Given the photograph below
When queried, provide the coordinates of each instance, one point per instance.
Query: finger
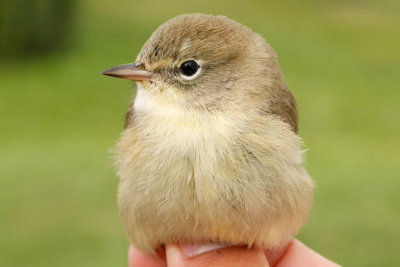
(137, 258)
(214, 255)
(298, 254)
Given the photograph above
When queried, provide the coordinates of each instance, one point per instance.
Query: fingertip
(298, 254)
(131, 256)
(225, 256)
(192, 250)
(274, 255)
(136, 258)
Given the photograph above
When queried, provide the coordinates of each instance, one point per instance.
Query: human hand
(294, 253)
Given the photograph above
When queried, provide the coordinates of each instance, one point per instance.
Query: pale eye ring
(189, 69)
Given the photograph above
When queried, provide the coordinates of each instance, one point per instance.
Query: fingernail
(192, 250)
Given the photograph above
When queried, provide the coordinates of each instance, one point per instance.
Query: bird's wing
(128, 116)
(284, 105)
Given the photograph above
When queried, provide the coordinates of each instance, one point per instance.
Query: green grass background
(59, 116)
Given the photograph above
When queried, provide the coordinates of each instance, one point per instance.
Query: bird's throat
(167, 124)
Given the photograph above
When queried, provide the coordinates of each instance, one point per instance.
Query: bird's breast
(171, 147)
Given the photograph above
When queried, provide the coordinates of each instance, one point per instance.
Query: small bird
(210, 151)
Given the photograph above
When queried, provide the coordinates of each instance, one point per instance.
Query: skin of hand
(210, 152)
(293, 254)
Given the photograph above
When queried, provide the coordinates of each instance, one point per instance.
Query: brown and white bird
(210, 151)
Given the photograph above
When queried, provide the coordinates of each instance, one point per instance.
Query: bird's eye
(189, 68)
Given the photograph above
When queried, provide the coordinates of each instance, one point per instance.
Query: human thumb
(214, 255)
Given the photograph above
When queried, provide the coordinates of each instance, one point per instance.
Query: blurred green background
(59, 117)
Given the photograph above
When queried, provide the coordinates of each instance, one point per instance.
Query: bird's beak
(131, 71)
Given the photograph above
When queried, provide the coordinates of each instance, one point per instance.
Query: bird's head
(206, 62)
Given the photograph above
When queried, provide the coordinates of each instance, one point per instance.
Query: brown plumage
(128, 116)
(210, 151)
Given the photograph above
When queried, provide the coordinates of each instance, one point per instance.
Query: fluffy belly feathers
(209, 179)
